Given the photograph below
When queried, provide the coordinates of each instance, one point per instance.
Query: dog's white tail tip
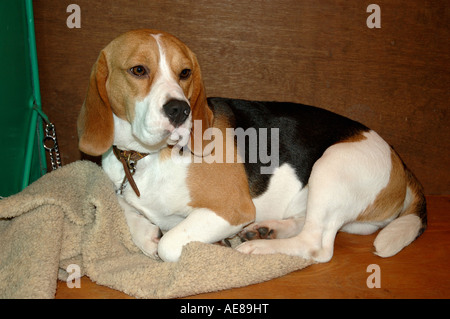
(398, 234)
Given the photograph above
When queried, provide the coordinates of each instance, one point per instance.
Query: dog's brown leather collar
(129, 160)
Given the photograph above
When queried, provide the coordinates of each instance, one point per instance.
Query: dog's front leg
(202, 225)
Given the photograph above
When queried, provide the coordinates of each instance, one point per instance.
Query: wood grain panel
(394, 79)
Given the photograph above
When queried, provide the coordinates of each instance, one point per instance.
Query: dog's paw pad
(266, 233)
(257, 233)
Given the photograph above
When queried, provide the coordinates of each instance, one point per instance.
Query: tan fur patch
(355, 138)
(417, 192)
(389, 201)
(222, 187)
(418, 205)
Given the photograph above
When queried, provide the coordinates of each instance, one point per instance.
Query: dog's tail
(410, 223)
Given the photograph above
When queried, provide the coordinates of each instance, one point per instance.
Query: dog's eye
(138, 70)
(185, 74)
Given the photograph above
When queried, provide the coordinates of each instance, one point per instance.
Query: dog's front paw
(149, 246)
(146, 237)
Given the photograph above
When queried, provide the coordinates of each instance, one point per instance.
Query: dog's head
(151, 80)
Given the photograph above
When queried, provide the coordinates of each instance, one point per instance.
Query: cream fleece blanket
(71, 216)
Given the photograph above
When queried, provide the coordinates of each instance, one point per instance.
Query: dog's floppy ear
(95, 121)
(202, 115)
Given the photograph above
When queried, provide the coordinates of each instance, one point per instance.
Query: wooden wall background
(395, 79)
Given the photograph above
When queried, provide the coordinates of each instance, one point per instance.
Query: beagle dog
(187, 168)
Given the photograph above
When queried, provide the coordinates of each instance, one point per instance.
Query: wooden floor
(421, 270)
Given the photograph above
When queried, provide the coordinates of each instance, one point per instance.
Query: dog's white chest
(162, 183)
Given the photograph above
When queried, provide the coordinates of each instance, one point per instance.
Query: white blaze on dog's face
(152, 84)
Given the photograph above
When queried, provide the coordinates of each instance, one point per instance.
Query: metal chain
(51, 145)
(50, 142)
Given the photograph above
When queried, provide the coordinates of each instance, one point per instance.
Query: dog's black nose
(177, 111)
